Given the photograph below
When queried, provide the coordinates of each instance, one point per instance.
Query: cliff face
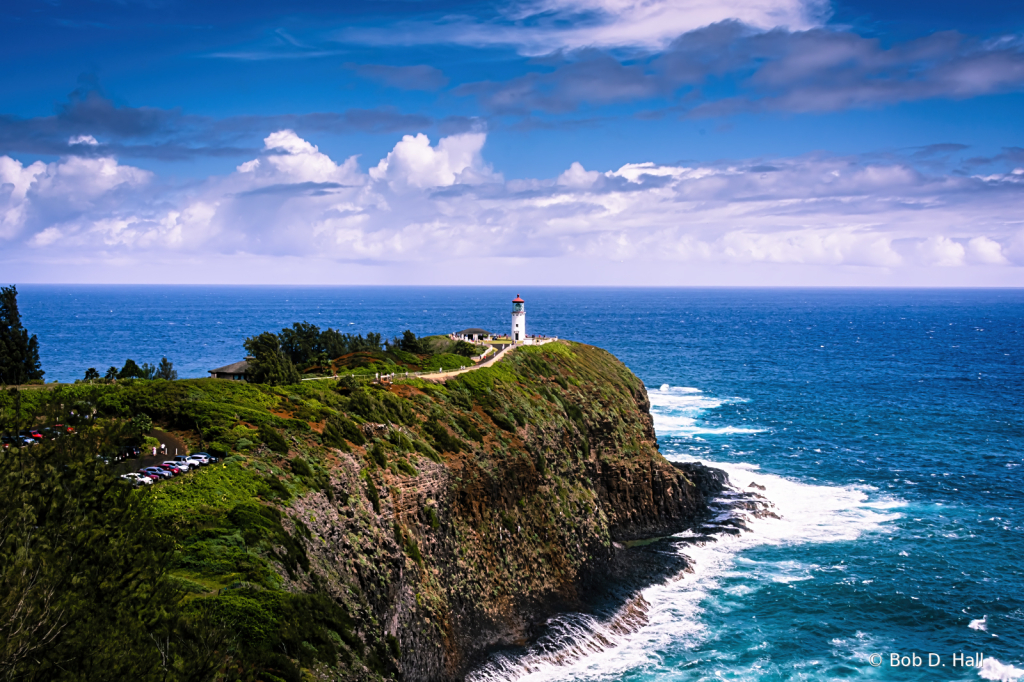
(363, 532)
(559, 466)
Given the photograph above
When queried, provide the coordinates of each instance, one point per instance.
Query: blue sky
(653, 142)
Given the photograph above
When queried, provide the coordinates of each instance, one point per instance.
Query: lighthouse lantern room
(518, 319)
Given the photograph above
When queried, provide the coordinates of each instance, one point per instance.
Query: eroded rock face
(558, 470)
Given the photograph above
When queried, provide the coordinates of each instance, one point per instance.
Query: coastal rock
(530, 523)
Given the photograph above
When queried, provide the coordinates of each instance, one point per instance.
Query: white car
(137, 479)
(197, 459)
(181, 465)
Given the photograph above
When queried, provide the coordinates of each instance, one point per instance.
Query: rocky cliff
(406, 530)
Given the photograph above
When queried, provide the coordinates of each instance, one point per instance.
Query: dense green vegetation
(84, 561)
(304, 348)
(288, 559)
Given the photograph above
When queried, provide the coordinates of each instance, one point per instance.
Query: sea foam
(991, 669)
(676, 411)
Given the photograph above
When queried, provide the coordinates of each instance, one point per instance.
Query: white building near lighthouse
(518, 320)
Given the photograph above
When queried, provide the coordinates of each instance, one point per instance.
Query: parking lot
(128, 460)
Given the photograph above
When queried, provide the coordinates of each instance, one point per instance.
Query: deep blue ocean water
(886, 425)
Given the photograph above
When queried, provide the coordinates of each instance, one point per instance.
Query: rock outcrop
(558, 471)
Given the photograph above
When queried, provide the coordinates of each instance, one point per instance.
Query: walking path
(447, 374)
(454, 372)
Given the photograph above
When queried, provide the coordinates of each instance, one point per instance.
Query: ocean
(887, 426)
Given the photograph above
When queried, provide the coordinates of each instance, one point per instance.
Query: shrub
(396, 650)
(503, 422)
(301, 467)
(444, 440)
(273, 440)
(277, 488)
(371, 491)
(432, 517)
(401, 441)
(218, 449)
(469, 428)
(426, 451)
(339, 429)
(378, 454)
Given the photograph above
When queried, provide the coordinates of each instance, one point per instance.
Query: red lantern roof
(518, 300)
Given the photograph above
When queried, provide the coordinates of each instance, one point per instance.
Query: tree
(131, 371)
(301, 343)
(91, 374)
(19, 352)
(141, 426)
(166, 370)
(268, 364)
(410, 343)
(324, 363)
(111, 374)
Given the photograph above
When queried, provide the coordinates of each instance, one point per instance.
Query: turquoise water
(886, 427)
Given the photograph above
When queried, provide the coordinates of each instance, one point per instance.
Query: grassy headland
(358, 531)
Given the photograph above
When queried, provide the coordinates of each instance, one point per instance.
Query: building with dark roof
(472, 334)
(236, 371)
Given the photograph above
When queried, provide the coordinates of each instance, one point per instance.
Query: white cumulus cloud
(88, 140)
(293, 159)
(578, 177)
(455, 159)
(985, 251)
(942, 251)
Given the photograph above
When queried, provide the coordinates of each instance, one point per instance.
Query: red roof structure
(518, 300)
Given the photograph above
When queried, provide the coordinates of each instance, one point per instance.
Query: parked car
(163, 473)
(18, 441)
(187, 461)
(171, 468)
(31, 433)
(198, 459)
(207, 455)
(181, 466)
(137, 479)
(145, 474)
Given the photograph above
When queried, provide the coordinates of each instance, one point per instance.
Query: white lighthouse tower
(518, 319)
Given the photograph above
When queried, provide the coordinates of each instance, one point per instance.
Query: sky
(558, 142)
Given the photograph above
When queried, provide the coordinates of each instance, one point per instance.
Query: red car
(173, 469)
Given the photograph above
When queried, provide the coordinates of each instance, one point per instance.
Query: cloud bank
(438, 202)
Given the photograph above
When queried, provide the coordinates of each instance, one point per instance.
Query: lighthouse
(518, 319)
